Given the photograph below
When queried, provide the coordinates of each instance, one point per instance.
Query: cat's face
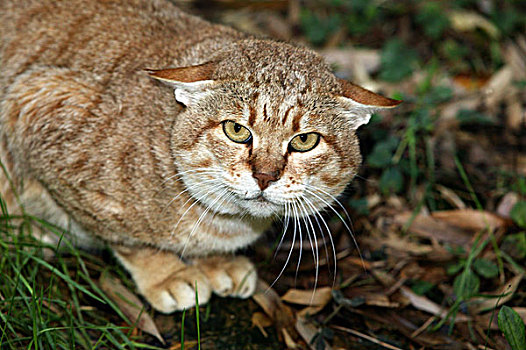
(265, 148)
(248, 152)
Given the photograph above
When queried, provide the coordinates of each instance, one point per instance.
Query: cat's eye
(236, 132)
(304, 142)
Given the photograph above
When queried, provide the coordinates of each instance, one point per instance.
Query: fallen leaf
(424, 304)
(129, 304)
(450, 196)
(306, 297)
(270, 302)
(498, 86)
(470, 219)
(308, 332)
(507, 203)
(430, 227)
(464, 21)
(261, 321)
(378, 299)
(291, 344)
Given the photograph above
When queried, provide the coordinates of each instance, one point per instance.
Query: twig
(367, 337)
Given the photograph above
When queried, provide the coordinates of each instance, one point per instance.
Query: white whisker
(188, 188)
(340, 217)
(287, 216)
(297, 217)
(290, 253)
(196, 201)
(314, 247)
(201, 217)
(308, 202)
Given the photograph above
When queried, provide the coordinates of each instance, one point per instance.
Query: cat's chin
(261, 208)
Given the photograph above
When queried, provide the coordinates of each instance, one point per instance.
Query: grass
(50, 305)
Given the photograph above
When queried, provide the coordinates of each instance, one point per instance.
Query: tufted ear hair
(190, 83)
(360, 103)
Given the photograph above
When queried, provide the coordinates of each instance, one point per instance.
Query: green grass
(54, 304)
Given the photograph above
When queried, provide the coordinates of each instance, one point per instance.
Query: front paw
(229, 276)
(178, 291)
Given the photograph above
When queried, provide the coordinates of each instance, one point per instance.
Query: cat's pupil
(237, 127)
(303, 137)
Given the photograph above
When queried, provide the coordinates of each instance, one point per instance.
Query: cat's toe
(244, 275)
(235, 277)
(178, 292)
(221, 282)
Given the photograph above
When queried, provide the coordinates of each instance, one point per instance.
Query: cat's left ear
(360, 103)
(190, 83)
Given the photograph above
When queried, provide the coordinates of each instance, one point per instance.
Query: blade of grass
(197, 318)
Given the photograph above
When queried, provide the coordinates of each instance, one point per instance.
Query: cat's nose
(264, 179)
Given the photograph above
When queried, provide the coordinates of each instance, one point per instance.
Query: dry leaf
(306, 297)
(291, 344)
(507, 203)
(272, 305)
(464, 21)
(429, 227)
(470, 219)
(424, 304)
(377, 299)
(402, 244)
(497, 87)
(261, 321)
(308, 332)
(129, 304)
(450, 196)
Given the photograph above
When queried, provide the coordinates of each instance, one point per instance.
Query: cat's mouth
(258, 198)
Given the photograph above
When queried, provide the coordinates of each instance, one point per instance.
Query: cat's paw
(229, 276)
(177, 292)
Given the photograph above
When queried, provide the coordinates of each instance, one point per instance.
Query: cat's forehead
(275, 66)
(273, 110)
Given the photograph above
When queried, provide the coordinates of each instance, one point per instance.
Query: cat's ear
(190, 83)
(361, 103)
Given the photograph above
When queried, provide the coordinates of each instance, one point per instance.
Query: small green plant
(398, 61)
(518, 213)
(511, 324)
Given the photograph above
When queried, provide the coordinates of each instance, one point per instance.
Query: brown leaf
(378, 299)
(261, 321)
(450, 196)
(470, 219)
(424, 304)
(129, 304)
(270, 302)
(306, 297)
(308, 332)
(507, 203)
(430, 227)
(464, 21)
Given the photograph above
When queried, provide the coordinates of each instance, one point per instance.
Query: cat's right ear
(190, 83)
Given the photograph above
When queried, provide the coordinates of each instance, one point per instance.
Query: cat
(173, 140)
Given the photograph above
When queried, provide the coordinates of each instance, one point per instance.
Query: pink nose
(264, 179)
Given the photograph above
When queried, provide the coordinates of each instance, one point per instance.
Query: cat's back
(100, 35)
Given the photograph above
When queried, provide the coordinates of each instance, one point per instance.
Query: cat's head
(267, 129)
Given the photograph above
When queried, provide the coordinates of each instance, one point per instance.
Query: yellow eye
(236, 132)
(304, 142)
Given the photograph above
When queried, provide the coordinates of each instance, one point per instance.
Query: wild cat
(94, 142)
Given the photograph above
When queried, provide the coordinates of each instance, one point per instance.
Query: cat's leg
(168, 283)
(233, 276)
